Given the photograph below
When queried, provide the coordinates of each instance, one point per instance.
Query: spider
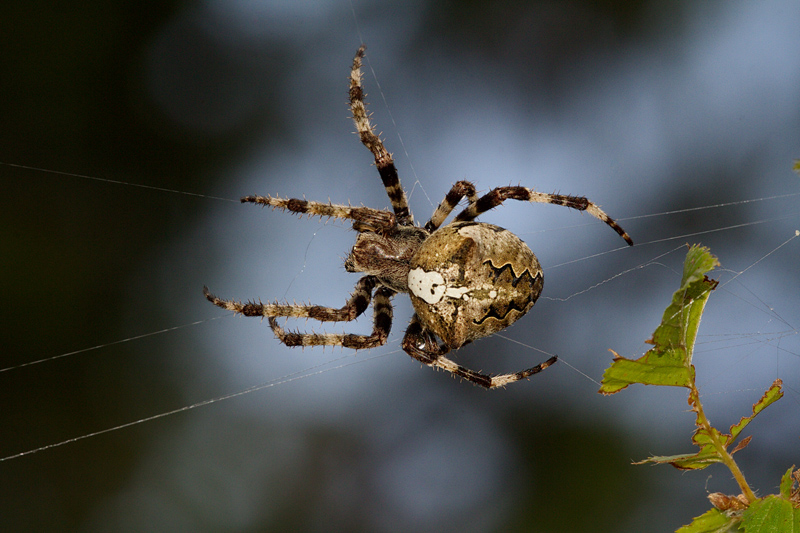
(466, 279)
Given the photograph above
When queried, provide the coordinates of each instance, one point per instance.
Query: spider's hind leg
(354, 307)
(382, 325)
(383, 159)
(422, 346)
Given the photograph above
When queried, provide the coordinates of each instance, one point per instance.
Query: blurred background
(151, 120)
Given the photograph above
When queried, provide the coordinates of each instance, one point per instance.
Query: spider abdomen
(471, 279)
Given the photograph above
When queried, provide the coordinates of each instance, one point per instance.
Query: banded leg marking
(457, 192)
(383, 159)
(363, 217)
(353, 308)
(422, 346)
(497, 196)
(382, 325)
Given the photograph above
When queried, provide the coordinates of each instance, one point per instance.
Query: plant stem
(714, 435)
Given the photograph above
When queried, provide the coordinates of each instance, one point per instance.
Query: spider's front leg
(383, 159)
(364, 218)
(422, 345)
(457, 192)
(497, 196)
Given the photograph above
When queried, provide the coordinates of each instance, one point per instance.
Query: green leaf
(772, 514)
(712, 521)
(624, 372)
(787, 482)
(773, 394)
(669, 362)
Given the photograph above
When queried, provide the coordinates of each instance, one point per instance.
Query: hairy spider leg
(457, 192)
(383, 159)
(422, 345)
(365, 218)
(497, 196)
(382, 325)
(353, 308)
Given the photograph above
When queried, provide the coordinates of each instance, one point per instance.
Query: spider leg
(459, 191)
(362, 217)
(497, 196)
(423, 346)
(354, 307)
(383, 159)
(382, 325)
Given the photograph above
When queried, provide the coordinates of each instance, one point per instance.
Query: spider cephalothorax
(466, 279)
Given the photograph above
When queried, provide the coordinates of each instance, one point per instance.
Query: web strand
(288, 378)
(117, 182)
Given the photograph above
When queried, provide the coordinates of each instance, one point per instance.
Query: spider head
(386, 255)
